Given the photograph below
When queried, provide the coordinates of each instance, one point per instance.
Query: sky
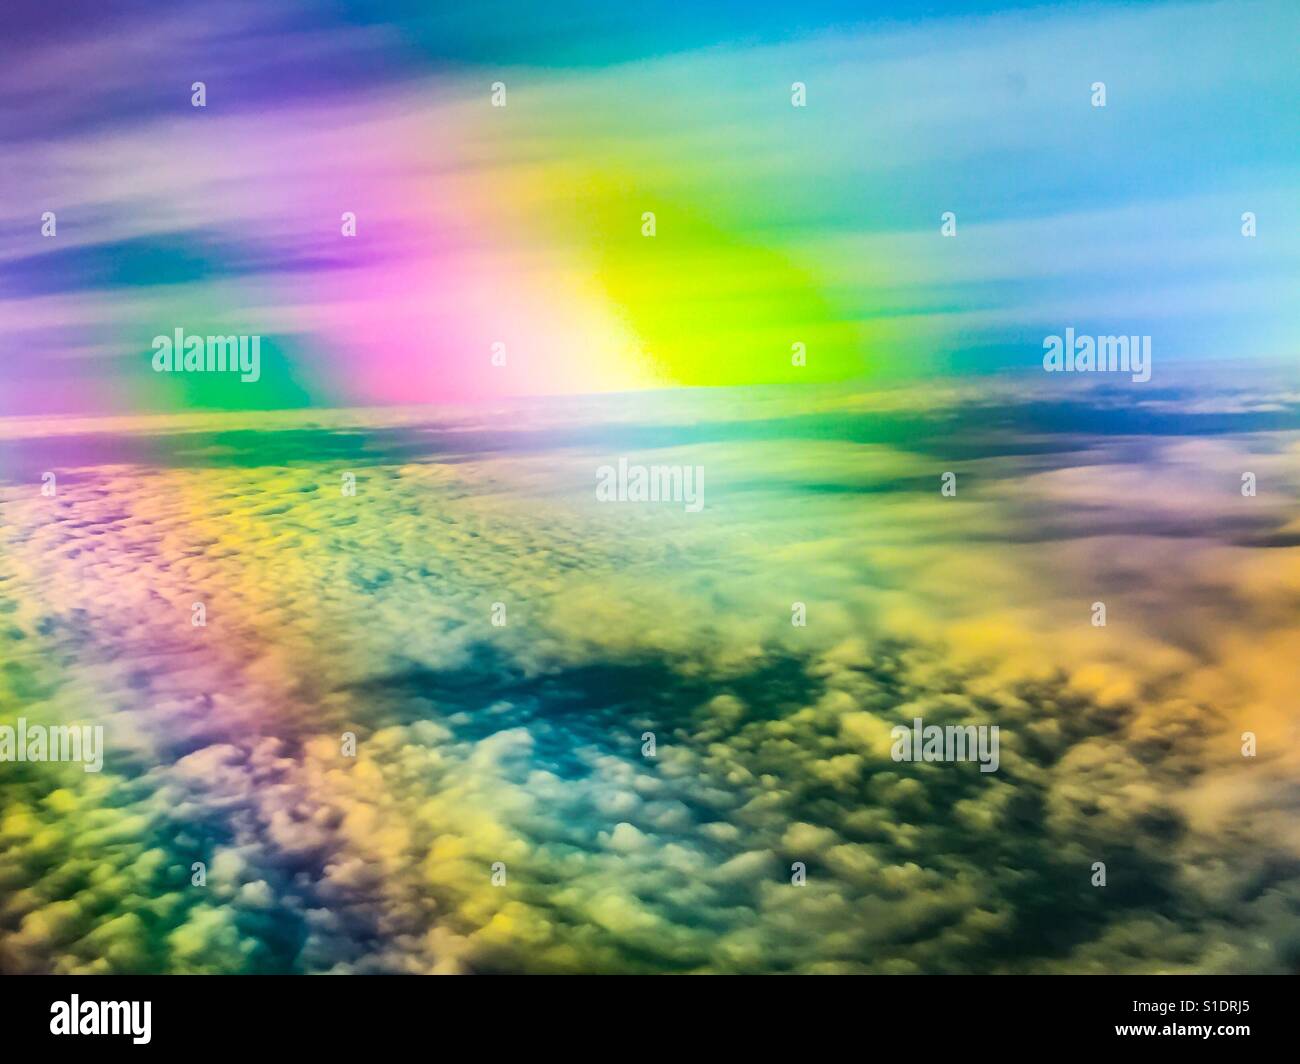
(375, 661)
(522, 225)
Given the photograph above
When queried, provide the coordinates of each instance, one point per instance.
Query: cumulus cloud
(518, 750)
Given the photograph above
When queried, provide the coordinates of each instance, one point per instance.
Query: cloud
(329, 614)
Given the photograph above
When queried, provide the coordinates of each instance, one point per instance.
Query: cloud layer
(522, 744)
